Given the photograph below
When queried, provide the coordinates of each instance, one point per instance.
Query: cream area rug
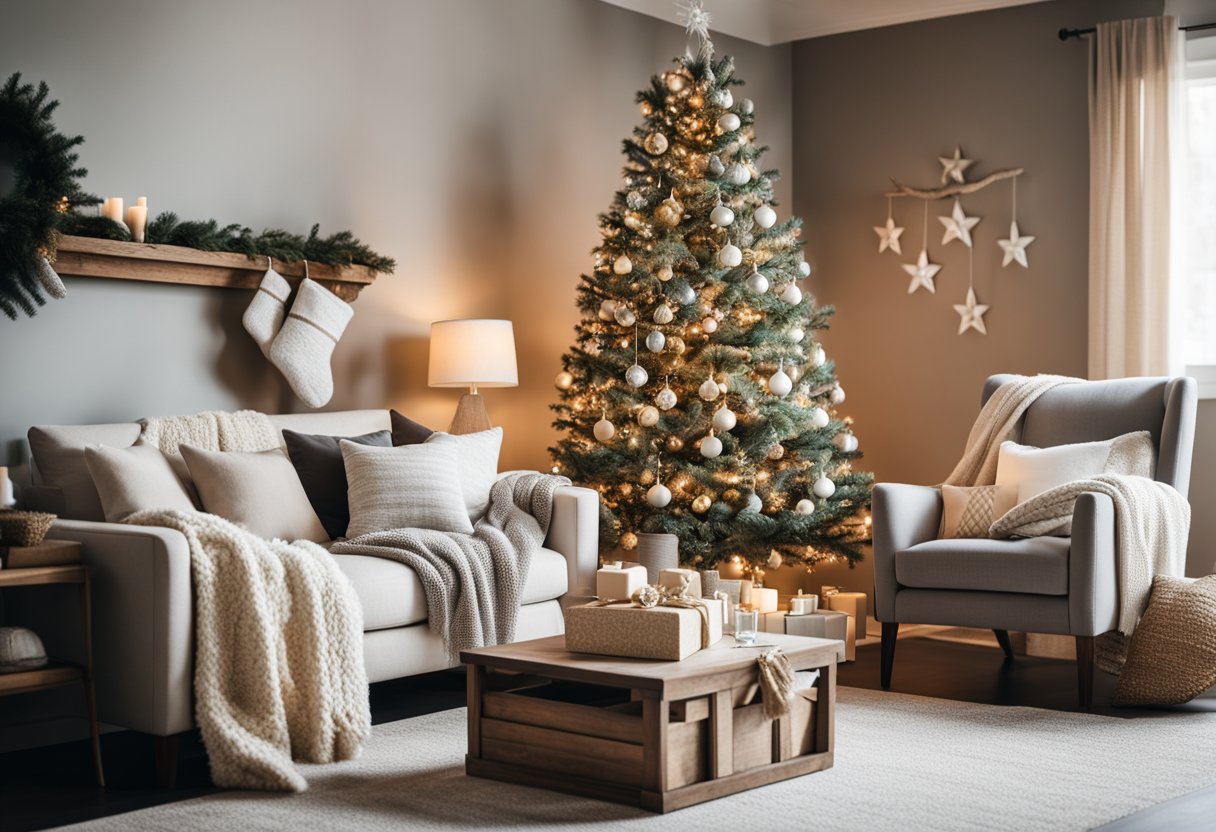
(902, 762)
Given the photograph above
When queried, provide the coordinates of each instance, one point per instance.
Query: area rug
(902, 762)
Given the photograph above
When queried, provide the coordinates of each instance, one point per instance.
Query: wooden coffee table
(655, 734)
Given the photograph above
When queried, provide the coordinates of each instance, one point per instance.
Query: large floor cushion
(392, 595)
(1035, 565)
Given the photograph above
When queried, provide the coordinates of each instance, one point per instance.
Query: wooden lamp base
(471, 415)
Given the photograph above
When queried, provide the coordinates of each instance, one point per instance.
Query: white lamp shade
(477, 351)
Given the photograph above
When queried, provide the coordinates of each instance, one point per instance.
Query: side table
(56, 674)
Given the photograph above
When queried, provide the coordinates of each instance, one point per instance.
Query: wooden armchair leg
(889, 633)
(165, 752)
(1002, 638)
(1085, 672)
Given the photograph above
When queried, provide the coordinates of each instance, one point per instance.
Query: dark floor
(53, 786)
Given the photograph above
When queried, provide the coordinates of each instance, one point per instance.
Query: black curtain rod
(1065, 34)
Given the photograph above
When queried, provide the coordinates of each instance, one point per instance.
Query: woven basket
(24, 528)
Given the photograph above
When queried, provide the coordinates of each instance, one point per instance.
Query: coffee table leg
(721, 734)
(825, 717)
(477, 676)
(654, 737)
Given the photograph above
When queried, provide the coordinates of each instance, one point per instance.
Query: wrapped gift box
(619, 580)
(678, 578)
(821, 624)
(670, 633)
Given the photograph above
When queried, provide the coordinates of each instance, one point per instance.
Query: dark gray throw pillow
(406, 431)
(318, 462)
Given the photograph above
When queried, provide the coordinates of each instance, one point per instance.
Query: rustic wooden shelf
(92, 257)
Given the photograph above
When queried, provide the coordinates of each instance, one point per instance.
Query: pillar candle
(137, 221)
(745, 591)
(764, 599)
(115, 203)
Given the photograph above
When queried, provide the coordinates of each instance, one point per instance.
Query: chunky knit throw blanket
(1151, 524)
(474, 583)
(213, 430)
(278, 668)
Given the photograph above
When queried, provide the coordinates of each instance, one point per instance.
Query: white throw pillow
(138, 478)
(478, 466)
(407, 487)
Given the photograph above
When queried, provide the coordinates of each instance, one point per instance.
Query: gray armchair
(1056, 585)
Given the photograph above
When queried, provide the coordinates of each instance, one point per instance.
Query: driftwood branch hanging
(956, 189)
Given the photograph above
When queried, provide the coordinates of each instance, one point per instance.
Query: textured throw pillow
(478, 465)
(1172, 655)
(406, 431)
(967, 512)
(259, 491)
(1024, 472)
(410, 487)
(137, 478)
(318, 461)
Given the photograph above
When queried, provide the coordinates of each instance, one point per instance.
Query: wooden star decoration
(971, 314)
(953, 167)
(1015, 247)
(958, 225)
(922, 272)
(888, 236)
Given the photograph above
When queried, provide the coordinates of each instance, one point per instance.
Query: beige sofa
(142, 608)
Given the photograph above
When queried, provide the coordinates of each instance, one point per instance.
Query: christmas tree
(696, 399)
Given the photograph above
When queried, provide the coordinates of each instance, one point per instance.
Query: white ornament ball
(648, 416)
(747, 106)
(655, 144)
(775, 560)
(636, 375)
(824, 488)
(820, 357)
(708, 390)
(805, 507)
(624, 315)
(686, 295)
(776, 452)
(711, 447)
(607, 310)
(754, 503)
(655, 341)
(730, 255)
(765, 216)
(563, 380)
(796, 335)
(659, 495)
(723, 99)
(757, 283)
(663, 314)
(729, 122)
(819, 418)
(622, 264)
(664, 273)
(715, 167)
(724, 419)
(710, 325)
(722, 388)
(604, 430)
(780, 384)
(721, 216)
(739, 174)
(837, 395)
(792, 295)
(846, 442)
(665, 398)
(804, 269)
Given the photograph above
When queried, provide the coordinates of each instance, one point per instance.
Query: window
(1194, 248)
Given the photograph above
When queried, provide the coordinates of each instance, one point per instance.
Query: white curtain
(1135, 75)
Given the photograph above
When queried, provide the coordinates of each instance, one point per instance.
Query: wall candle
(115, 209)
(142, 201)
(137, 220)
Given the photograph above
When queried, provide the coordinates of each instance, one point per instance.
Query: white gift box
(676, 578)
(619, 580)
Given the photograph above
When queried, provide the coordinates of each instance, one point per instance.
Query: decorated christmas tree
(696, 398)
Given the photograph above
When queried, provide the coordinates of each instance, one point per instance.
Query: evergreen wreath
(45, 188)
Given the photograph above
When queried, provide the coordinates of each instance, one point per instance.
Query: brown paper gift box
(670, 633)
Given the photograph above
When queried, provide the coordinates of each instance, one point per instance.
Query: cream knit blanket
(1151, 524)
(474, 583)
(278, 667)
(213, 430)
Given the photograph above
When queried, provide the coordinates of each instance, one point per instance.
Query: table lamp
(474, 352)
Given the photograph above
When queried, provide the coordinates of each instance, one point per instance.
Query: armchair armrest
(143, 623)
(1093, 596)
(574, 532)
(901, 516)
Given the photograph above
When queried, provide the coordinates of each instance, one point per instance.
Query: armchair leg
(1085, 672)
(889, 632)
(165, 752)
(1002, 638)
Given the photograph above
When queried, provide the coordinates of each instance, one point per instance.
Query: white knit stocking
(306, 342)
(264, 317)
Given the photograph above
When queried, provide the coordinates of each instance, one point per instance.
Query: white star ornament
(1015, 247)
(888, 236)
(971, 314)
(958, 225)
(953, 167)
(922, 272)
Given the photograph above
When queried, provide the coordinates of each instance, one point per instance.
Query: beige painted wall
(474, 141)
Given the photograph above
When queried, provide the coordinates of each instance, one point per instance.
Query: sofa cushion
(477, 454)
(406, 431)
(410, 487)
(318, 460)
(58, 452)
(392, 596)
(134, 479)
(1035, 565)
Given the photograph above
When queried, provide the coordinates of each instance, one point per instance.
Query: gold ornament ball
(646, 108)
(676, 82)
(655, 144)
(669, 213)
(696, 101)
(731, 495)
(776, 452)
(647, 477)
(629, 540)
(675, 444)
(563, 380)
(626, 489)
(634, 221)
(676, 343)
(701, 504)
